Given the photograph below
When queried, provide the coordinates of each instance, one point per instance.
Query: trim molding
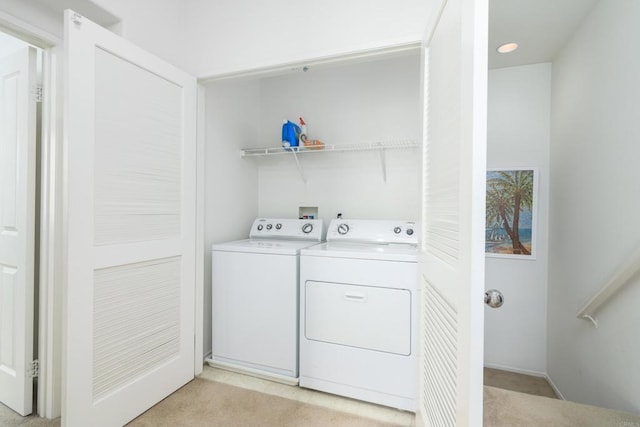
(516, 370)
(288, 67)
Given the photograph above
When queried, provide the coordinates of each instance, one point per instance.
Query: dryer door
(367, 317)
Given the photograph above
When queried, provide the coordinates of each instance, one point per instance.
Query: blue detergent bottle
(290, 134)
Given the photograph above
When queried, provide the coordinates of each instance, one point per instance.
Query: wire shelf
(369, 146)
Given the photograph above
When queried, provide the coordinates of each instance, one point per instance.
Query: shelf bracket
(300, 170)
(383, 159)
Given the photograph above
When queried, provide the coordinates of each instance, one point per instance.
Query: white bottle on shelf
(303, 132)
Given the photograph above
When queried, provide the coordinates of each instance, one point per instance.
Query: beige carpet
(505, 408)
(211, 404)
(8, 418)
(518, 382)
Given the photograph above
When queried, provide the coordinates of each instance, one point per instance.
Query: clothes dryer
(358, 311)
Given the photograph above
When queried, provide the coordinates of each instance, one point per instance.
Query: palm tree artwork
(509, 216)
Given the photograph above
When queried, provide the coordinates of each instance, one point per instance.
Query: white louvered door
(17, 226)
(452, 261)
(131, 179)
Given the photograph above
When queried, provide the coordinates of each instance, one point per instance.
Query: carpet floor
(518, 382)
(208, 403)
(505, 408)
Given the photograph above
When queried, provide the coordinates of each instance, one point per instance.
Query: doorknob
(493, 298)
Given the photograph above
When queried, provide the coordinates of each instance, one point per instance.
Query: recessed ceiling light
(507, 47)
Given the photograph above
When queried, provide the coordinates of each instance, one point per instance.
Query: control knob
(269, 226)
(260, 227)
(278, 226)
(307, 228)
(409, 231)
(397, 230)
(343, 229)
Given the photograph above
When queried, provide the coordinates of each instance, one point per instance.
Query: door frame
(49, 333)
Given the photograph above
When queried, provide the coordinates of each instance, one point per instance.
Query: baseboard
(528, 372)
(271, 376)
(554, 387)
(516, 370)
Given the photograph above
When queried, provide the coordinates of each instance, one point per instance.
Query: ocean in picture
(498, 242)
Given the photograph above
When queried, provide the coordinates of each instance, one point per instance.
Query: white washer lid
(382, 252)
(263, 246)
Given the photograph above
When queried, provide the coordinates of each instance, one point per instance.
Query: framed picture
(510, 225)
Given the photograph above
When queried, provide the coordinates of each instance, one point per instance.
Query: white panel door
(131, 221)
(17, 224)
(452, 262)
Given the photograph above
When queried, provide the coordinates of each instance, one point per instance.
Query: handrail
(619, 279)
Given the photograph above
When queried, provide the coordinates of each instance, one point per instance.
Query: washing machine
(358, 312)
(255, 295)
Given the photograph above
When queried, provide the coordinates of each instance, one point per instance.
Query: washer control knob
(269, 226)
(278, 226)
(409, 231)
(260, 227)
(343, 229)
(397, 230)
(307, 228)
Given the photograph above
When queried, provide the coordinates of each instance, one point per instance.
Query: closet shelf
(369, 146)
(381, 146)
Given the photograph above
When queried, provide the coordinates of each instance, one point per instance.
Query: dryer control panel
(373, 231)
(286, 228)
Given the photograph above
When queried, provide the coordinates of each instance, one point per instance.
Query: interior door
(452, 262)
(17, 225)
(131, 220)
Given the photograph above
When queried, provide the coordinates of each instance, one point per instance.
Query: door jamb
(49, 339)
(200, 231)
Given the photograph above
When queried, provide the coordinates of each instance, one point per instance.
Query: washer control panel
(373, 231)
(285, 228)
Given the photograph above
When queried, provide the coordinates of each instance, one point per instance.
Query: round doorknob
(493, 298)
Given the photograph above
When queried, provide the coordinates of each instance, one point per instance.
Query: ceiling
(86, 8)
(540, 27)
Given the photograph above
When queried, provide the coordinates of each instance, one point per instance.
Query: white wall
(518, 136)
(34, 14)
(367, 102)
(207, 38)
(244, 34)
(231, 182)
(595, 202)
(155, 25)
